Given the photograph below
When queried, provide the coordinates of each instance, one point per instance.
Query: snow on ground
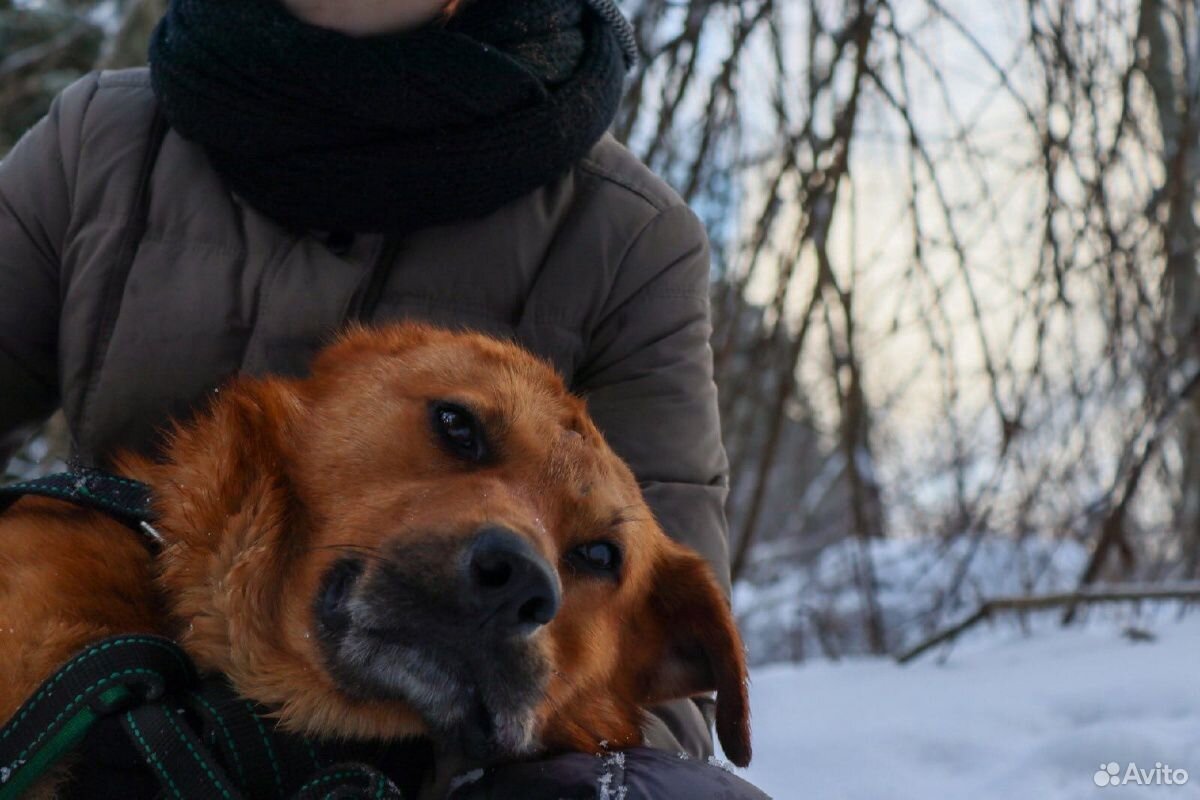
(1006, 717)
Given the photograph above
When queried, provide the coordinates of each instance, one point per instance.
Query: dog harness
(198, 738)
(125, 500)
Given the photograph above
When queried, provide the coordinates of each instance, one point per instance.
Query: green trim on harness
(193, 736)
(101, 680)
(67, 739)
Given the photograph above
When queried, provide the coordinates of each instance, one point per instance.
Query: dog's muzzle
(451, 629)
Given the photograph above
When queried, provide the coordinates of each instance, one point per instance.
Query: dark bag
(638, 773)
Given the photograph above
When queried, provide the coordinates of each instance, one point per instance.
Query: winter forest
(956, 332)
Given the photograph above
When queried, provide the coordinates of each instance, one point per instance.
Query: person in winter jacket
(284, 167)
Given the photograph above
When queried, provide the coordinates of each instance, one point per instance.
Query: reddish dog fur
(261, 494)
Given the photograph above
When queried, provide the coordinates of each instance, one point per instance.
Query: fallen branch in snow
(1186, 591)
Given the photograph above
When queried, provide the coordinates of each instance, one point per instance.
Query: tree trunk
(1167, 28)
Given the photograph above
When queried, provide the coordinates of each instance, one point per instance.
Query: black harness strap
(349, 782)
(103, 679)
(125, 500)
(184, 766)
(265, 762)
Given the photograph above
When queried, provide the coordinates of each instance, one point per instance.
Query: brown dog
(428, 536)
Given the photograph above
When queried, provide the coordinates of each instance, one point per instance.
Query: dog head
(429, 536)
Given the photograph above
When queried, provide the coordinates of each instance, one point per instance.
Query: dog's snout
(513, 589)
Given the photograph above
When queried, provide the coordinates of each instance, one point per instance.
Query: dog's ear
(229, 457)
(226, 508)
(700, 646)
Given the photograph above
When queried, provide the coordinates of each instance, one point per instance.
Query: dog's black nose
(513, 589)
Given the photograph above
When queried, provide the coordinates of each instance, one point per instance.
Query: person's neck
(369, 17)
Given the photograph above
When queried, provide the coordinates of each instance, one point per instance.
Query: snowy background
(1009, 716)
(1017, 708)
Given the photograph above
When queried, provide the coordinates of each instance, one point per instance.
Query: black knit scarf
(322, 131)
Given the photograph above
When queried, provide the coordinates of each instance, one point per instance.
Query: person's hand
(366, 17)
(635, 774)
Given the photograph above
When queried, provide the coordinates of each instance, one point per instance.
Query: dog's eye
(600, 558)
(459, 431)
